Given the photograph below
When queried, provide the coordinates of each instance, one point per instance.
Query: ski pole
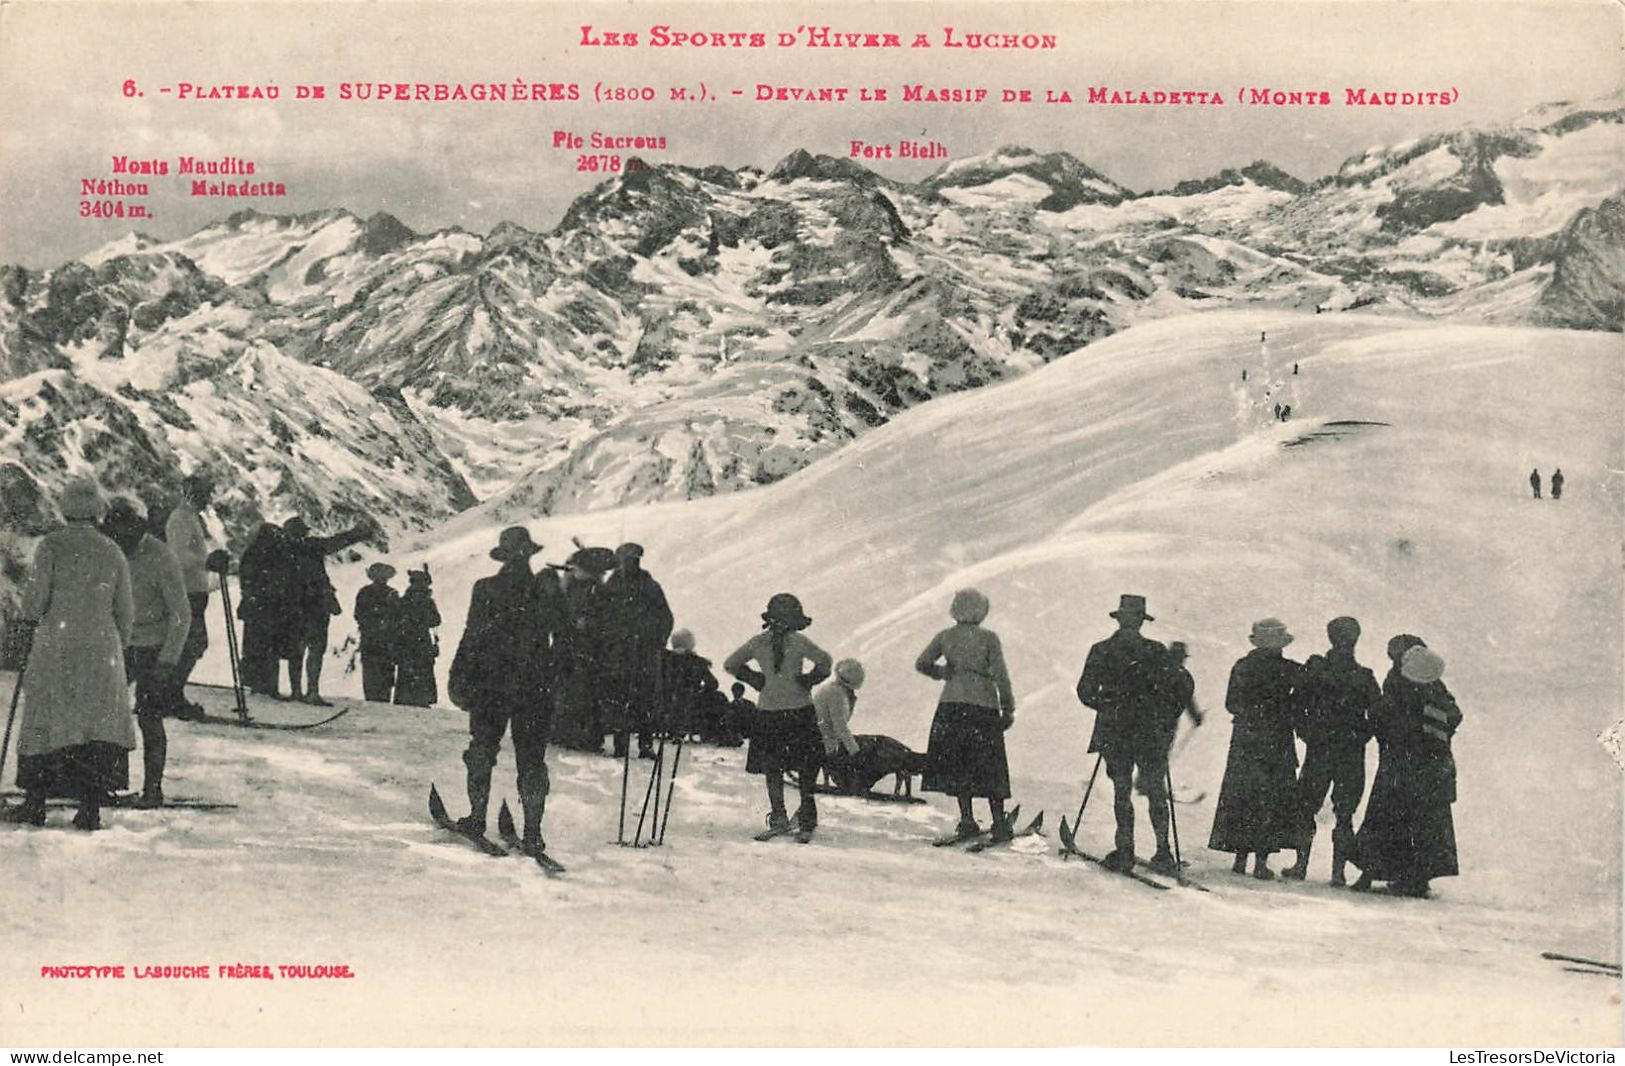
(624, 735)
(676, 761)
(650, 789)
(1173, 819)
(231, 651)
(1088, 789)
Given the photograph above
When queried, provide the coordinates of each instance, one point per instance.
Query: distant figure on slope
(1338, 695)
(1123, 683)
(1534, 482)
(1257, 808)
(376, 606)
(416, 648)
(689, 689)
(1408, 836)
(784, 734)
(75, 736)
(965, 756)
(741, 712)
(637, 622)
(579, 697)
(163, 614)
(314, 601)
(1557, 484)
(502, 675)
(265, 576)
(187, 539)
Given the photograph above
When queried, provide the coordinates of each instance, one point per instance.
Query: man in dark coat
(1534, 482)
(416, 648)
(1338, 694)
(264, 577)
(1120, 683)
(637, 622)
(1258, 797)
(1557, 484)
(502, 676)
(313, 600)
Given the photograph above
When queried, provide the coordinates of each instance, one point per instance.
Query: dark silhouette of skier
(1534, 482)
(1557, 484)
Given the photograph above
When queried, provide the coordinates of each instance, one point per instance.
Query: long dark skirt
(94, 766)
(415, 684)
(1409, 833)
(965, 756)
(577, 722)
(784, 740)
(1257, 807)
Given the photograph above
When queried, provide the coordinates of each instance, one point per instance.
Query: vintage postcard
(812, 524)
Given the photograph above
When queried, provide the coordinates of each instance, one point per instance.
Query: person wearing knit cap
(965, 756)
(1408, 837)
(1257, 809)
(834, 702)
(784, 733)
(376, 605)
(1338, 695)
(157, 636)
(503, 676)
(689, 690)
(75, 735)
(416, 647)
(1124, 683)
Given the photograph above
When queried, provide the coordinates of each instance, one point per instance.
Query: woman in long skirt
(1409, 836)
(76, 734)
(1257, 801)
(784, 734)
(965, 757)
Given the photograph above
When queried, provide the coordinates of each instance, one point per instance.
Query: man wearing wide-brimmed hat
(1121, 684)
(502, 675)
(376, 607)
(637, 622)
(186, 537)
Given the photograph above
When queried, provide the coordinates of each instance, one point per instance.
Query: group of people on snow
(1556, 483)
(578, 652)
(396, 635)
(107, 605)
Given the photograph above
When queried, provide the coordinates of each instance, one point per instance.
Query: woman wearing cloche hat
(1257, 800)
(76, 733)
(784, 735)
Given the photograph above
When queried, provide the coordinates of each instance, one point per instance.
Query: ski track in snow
(1121, 468)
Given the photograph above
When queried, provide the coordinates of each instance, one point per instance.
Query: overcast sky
(63, 114)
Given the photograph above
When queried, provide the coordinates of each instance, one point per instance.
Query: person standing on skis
(502, 675)
(1122, 682)
(1338, 694)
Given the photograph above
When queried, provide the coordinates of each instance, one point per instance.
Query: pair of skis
(1581, 964)
(505, 829)
(982, 839)
(1069, 847)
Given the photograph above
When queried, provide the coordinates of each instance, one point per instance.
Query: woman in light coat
(965, 757)
(76, 734)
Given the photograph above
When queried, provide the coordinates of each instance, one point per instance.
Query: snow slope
(1124, 467)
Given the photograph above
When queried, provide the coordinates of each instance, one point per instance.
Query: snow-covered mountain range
(686, 331)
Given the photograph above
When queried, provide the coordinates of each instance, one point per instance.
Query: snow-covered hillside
(1396, 493)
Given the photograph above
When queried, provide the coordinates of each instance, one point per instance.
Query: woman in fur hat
(784, 734)
(1409, 836)
(1257, 800)
(965, 757)
(416, 648)
(76, 733)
